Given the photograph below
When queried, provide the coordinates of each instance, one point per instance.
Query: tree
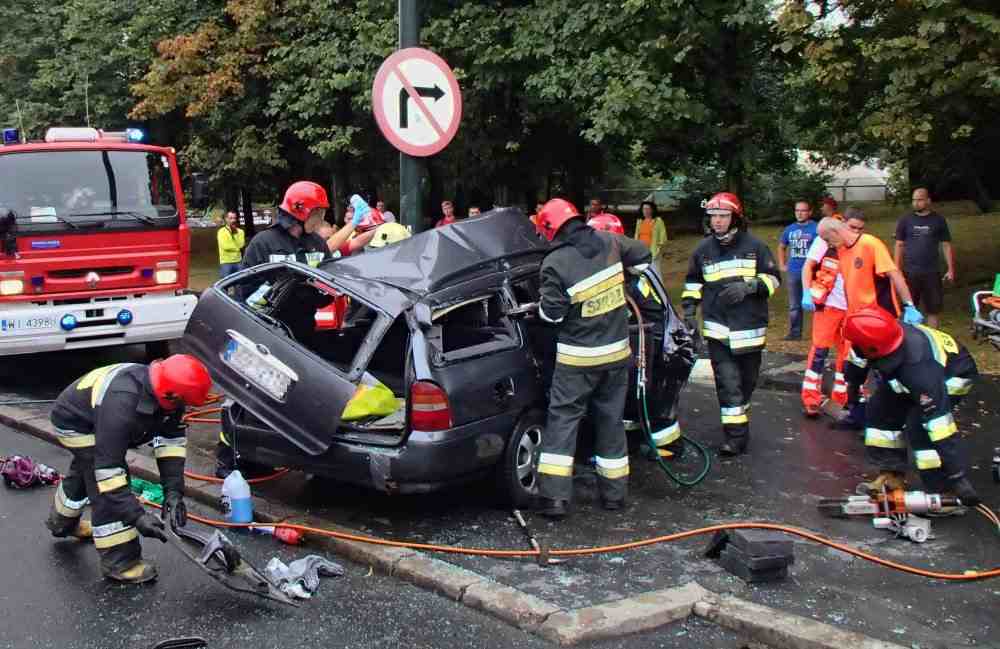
(917, 81)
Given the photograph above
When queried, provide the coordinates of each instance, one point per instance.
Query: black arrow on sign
(435, 93)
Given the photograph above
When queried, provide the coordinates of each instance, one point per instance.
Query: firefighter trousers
(735, 380)
(573, 393)
(663, 394)
(117, 542)
(893, 420)
(827, 332)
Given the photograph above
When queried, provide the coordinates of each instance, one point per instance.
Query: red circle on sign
(390, 66)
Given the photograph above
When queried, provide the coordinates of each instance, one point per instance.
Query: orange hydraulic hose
(968, 575)
(198, 417)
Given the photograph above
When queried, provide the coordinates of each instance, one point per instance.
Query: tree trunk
(248, 225)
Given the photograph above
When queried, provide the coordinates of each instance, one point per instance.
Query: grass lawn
(975, 239)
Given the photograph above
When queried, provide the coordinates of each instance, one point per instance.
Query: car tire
(157, 350)
(517, 475)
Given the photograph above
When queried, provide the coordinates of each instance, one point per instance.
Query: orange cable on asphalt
(968, 575)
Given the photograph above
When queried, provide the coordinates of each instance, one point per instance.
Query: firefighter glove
(174, 510)
(150, 526)
(807, 301)
(736, 292)
(911, 315)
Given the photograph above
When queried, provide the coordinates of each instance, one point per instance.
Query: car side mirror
(199, 191)
(422, 313)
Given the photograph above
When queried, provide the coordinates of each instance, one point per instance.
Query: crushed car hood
(431, 260)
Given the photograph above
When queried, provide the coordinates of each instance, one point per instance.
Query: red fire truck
(94, 244)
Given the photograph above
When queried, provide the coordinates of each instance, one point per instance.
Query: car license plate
(14, 325)
(255, 363)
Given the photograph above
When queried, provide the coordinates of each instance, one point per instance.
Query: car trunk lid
(295, 392)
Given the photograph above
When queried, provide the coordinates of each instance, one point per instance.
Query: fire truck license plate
(14, 325)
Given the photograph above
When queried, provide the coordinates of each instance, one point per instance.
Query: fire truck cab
(94, 244)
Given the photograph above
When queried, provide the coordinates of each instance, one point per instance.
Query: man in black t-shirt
(918, 234)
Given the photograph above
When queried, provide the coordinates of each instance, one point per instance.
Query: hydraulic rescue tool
(894, 510)
(222, 561)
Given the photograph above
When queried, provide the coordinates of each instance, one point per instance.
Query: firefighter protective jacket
(586, 297)
(931, 367)
(112, 409)
(742, 327)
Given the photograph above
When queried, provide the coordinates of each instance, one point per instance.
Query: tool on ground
(182, 643)
(543, 554)
(752, 555)
(894, 510)
(218, 557)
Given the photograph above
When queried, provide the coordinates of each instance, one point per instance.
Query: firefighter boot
(965, 492)
(553, 508)
(733, 447)
(886, 480)
(63, 526)
(137, 572)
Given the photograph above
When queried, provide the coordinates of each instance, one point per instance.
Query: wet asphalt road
(792, 463)
(52, 595)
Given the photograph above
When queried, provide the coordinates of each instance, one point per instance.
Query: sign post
(418, 107)
(411, 169)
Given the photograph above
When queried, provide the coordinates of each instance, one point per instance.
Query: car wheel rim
(527, 446)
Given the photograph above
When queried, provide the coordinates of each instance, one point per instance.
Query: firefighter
(293, 237)
(731, 275)
(583, 293)
(922, 374)
(98, 418)
(823, 294)
(666, 432)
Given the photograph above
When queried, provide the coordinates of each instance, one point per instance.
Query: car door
(261, 366)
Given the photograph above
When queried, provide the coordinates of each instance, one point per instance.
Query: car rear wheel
(517, 474)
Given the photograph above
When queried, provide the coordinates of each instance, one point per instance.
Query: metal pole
(411, 169)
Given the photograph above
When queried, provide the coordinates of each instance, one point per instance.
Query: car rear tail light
(429, 409)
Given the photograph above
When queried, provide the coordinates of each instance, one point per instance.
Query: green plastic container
(151, 491)
(996, 285)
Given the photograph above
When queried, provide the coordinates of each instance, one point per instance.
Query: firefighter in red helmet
(731, 275)
(293, 237)
(98, 418)
(666, 431)
(583, 294)
(606, 223)
(922, 374)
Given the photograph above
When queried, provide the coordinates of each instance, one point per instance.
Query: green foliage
(917, 81)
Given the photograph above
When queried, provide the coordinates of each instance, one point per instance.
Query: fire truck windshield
(75, 190)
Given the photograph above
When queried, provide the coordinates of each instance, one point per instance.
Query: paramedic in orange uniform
(870, 278)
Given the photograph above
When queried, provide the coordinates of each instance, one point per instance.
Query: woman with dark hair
(650, 229)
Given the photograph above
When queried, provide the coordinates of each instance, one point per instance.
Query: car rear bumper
(427, 461)
(28, 327)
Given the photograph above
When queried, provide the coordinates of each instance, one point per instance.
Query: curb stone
(642, 612)
(524, 611)
(779, 629)
(632, 615)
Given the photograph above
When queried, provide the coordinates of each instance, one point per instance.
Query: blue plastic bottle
(236, 501)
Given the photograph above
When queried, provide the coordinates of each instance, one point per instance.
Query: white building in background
(860, 182)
